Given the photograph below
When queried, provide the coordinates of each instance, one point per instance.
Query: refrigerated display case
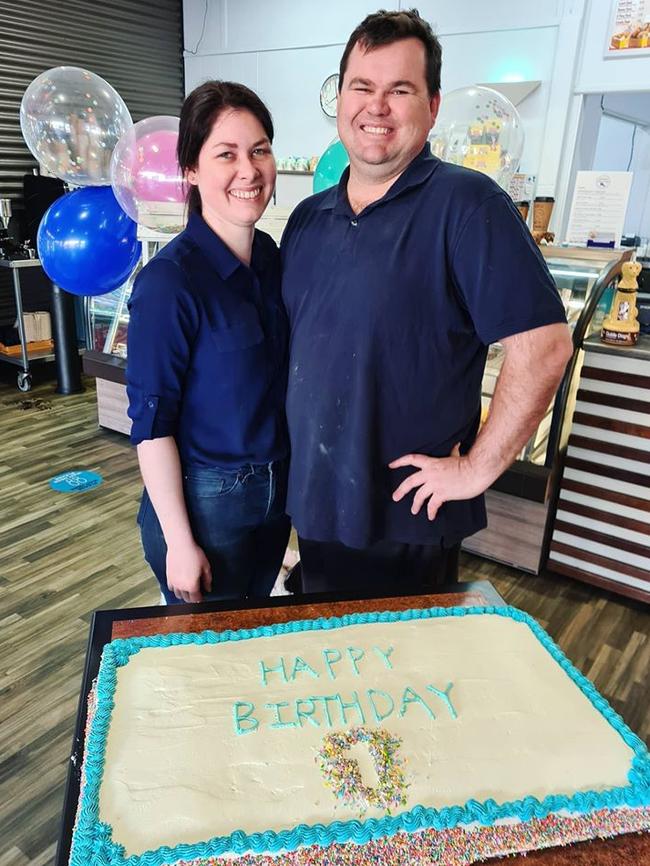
(519, 503)
(108, 322)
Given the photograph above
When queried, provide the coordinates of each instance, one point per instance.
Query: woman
(206, 373)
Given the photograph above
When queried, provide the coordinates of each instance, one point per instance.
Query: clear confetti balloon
(71, 120)
(145, 175)
(479, 128)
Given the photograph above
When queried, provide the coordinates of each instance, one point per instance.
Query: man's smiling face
(385, 111)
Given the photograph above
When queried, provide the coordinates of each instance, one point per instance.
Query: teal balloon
(330, 166)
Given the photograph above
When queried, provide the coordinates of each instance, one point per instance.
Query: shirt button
(354, 222)
(150, 404)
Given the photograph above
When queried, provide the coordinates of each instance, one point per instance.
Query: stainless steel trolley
(24, 378)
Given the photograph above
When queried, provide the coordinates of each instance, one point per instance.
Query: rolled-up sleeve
(162, 328)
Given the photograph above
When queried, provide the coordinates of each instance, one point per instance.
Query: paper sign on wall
(521, 187)
(598, 208)
(629, 30)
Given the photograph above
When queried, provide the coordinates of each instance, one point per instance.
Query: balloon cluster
(479, 128)
(80, 130)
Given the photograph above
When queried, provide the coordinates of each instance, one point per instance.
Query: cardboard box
(38, 327)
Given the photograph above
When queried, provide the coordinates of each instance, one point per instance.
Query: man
(395, 283)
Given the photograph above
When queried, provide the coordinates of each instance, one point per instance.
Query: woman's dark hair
(198, 114)
(384, 28)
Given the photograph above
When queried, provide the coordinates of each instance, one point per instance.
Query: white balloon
(479, 128)
(71, 120)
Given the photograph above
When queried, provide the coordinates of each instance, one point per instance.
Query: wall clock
(328, 93)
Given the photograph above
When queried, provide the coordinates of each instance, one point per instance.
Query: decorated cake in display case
(421, 736)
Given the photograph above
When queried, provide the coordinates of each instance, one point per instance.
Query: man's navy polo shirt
(208, 351)
(391, 312)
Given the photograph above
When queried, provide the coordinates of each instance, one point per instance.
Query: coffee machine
(5, 216)
(11, 246)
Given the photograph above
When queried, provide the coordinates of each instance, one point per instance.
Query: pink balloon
(155, 170)
(145, 175)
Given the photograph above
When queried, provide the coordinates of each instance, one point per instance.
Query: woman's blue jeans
(237, 518)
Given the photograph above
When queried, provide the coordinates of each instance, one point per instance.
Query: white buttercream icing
(176, 770)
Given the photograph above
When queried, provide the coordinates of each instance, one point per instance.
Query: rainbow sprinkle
(457, 847)
(343, 776)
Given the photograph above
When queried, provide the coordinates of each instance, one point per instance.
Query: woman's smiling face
(235, 172)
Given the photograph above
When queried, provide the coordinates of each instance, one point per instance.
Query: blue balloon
(86, 243)
(330, 166)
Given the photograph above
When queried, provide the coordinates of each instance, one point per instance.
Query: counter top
(641, 351)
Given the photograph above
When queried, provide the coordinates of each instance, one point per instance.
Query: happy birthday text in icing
(328, 710)
(351, 657)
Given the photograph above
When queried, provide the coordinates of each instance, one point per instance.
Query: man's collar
(416, 172)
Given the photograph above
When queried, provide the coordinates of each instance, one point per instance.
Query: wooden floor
(64, 555)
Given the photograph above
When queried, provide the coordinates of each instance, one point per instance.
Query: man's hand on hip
(534, 364)
(438, 479)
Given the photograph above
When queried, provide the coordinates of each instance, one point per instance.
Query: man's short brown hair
(384, 28)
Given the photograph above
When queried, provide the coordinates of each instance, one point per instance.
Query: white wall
(597, 74)
(620, 148)
(285, 50)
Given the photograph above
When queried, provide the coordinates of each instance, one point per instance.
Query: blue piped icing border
(93, 843)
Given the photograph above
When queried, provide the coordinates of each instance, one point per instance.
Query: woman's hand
(188, 572)
(187, 568)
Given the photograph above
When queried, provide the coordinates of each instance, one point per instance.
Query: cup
(542, 210)
(522, 207)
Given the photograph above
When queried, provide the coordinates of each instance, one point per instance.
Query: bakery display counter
(601, 530)
(110, 375)
(519, 502)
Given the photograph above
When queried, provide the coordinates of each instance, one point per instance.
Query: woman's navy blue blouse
(207, 360)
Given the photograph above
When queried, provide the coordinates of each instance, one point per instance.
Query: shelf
(598, 255)
(12, 264)
(104, 366)
(17, 360)
(108, 315)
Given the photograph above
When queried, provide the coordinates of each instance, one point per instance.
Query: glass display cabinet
(108, 322)
(519, 501)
